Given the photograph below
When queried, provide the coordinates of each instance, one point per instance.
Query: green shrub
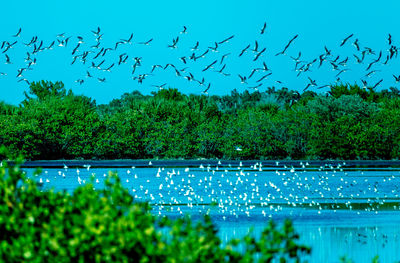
(106, 225)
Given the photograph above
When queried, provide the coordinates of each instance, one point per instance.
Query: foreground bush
(106, 225)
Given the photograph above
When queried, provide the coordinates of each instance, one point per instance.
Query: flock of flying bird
(99, 58)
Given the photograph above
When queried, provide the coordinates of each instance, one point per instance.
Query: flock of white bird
(257, 190)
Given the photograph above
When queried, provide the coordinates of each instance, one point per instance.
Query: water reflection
(330, 241)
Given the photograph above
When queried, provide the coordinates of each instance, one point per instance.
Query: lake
(339, 208)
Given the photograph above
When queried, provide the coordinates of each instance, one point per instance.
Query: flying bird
(263, 28)
(371, 72)
(80, 81)
(298, 57)
(99, 53)
(109, 68)
(128, 40)
(255, 87)
(75, 49)
(33, 40)
(195, 46)
(18, 33)
(226, 40)
(96, 33)
(255, 50)
(264, 68)
(327, 51)
(387, 60)
(244, 50)
(242, 79)
(259, 54)
(287, 46)
(184, 30)
(80, 39)
(252, 73)
(342, 71)
(174, 42)
(347, 38)
(154, 67)
(221, 71)
(178, 74)
(223, 57)
(183, 59)
(202, 55)
(377, 84)
(146, 43)
(209, 66)
(51, 45)
(375, 61)
(263, 77)
(369, 51)
(312, 83)
(8, 61)
(324, 86)
(118, 43)
(201, 82)
(189, 77)
(365, 84)
(208, 87)
(355, 43)
(169, 65)
(122, 58)
(26, 80)
(359, 61)
(159, 86)
(214, 49)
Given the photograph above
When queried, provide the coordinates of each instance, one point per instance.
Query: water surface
(338, 208)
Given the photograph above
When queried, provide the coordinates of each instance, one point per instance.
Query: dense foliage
(349, 122)
(106, 225)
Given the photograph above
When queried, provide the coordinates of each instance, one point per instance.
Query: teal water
(337, 209)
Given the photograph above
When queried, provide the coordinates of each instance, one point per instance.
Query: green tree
(42, 89)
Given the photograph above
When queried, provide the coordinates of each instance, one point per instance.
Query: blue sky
(318, 24)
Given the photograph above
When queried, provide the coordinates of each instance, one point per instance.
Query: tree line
(348, 122)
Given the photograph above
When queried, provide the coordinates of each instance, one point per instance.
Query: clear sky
(317, 23)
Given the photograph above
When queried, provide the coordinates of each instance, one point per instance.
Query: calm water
(337, 209)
